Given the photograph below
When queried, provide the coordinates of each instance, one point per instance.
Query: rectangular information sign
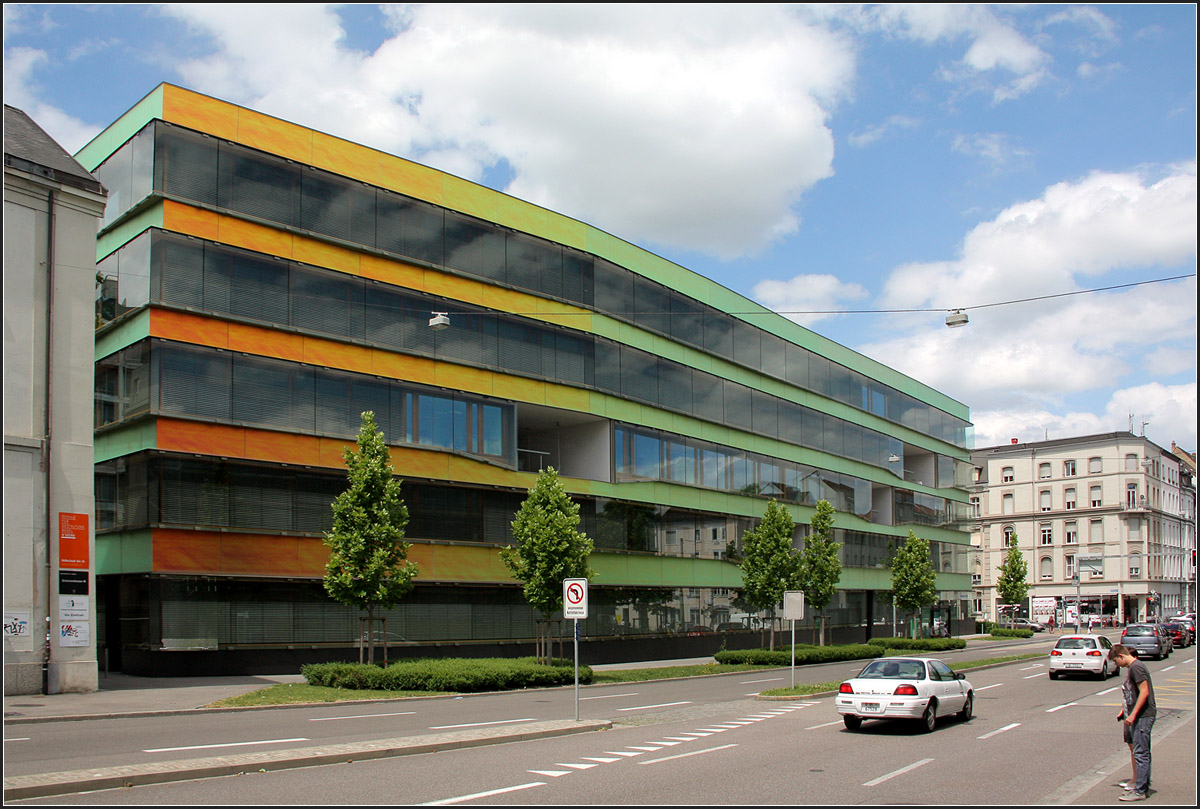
(575, 598)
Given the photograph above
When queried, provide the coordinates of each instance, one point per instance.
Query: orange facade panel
(266, 342)
(324, 254)
(188, 328)
(275, 135)
(200, 438)
(186, 551)
(260, 238)
(193, 221)
(346, 158)
(204, 114)
(288, 448)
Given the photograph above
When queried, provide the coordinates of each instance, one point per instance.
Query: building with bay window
(265, 283)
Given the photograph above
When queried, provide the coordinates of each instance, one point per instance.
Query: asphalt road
(698, 740)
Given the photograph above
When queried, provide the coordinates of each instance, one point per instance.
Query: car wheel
(968, 708)
(929, 718)
(852, 722)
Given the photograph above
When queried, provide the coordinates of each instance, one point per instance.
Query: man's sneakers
(1128, 786)
(1133, 796)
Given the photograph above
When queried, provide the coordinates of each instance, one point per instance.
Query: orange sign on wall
(73, 541)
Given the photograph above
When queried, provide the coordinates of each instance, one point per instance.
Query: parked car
(1190, 625)
(1180, 636)
(1082, 654)
(1148, 640)
(699, 629)
(1025, 623)
(919, 688)
(729, 625)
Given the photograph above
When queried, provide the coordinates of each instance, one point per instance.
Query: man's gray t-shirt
(1138, 673)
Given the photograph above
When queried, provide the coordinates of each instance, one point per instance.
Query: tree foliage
(550, 547)
(769, 561)
(1012, 583)
(368, 563)
(914, 582)
(818, 567)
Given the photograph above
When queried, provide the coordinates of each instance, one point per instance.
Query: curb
(43, 785)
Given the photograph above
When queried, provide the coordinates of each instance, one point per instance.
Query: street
(699, 740)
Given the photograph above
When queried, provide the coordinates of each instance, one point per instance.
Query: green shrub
(999, 632)
(926, 644)
(805, 655)
(458, 675)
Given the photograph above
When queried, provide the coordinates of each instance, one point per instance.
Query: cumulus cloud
(807, 299)
(696, 129)
(1020, 359)
(20, 91)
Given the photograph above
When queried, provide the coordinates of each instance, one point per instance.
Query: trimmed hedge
(459, 675)
(804, 655)
(926, 644)
(999, 632)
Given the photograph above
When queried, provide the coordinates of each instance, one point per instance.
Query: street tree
(818, 566)
(1012, 583)
(769, 561)
(549, 549)
(368, 563)
(914, 582)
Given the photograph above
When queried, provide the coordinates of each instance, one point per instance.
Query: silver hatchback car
(1148, 640)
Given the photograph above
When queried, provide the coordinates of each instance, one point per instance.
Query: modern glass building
(264, 283)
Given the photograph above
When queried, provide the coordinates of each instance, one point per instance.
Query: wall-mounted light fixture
(956, 319)
(439, 321)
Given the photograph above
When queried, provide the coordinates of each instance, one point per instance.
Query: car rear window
(1075, 643)
(1172, 627)
(894, 670)
(1137, 631)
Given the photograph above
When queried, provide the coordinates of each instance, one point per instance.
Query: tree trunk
(371, 634)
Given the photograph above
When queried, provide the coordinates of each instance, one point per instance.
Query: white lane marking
(19, 739)
(767, 680)
(696, 734)
(599, 759)
(1109, 691)
(900, 771)
(1168, 668)
(1034, 666)
(550, 773)
(685, 755)
(664, 744)
(1001, 730)
(986, 687)
(717, 729)
(487, 794)
(643, 749)
(827, 724)
(360, 716)
(480, 724)
(1060, 707)
(660, 705)
(228, 744)
(1030, 676)
(610, 696)
(683, 738)
(624, 753)
(575, 766)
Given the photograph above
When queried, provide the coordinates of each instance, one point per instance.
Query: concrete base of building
(22, 678)
(72, 677)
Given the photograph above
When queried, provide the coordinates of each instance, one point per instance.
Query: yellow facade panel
(576, 399)
(520, 388)
(332, 354)
(418, 463)
(324, 254)
(391, 272)
(462, 289)
(411, 179)
(460, 377)
(403, 367)
(332, 449)
(192, 221)
(470, 198)
(259, 238)
(204, 114)
(469, 469)
(275, 136)
(266, 342)
(345, 158)
(288, 448)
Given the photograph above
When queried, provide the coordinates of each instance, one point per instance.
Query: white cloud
(694, 127)
(1014, 361)
(1169, 413)
(807, 299)
(20, 91)
(875, 133)
(994, 147)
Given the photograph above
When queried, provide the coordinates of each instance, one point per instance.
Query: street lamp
(439, 321)
(956, 319)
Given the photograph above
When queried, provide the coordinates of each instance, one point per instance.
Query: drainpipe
(46, 441)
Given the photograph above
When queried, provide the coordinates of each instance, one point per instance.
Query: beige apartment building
(1106, 521)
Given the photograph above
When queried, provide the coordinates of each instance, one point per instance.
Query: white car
(1082, 654)
(919, 688)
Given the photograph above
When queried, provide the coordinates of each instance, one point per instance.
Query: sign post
(793, 610)
(575, 606)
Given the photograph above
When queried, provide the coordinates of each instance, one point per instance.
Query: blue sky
(829, 161)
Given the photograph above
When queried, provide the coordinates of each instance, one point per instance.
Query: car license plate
(1074, 665)
(870, 707)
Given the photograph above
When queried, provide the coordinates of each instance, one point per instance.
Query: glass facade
(199, 169)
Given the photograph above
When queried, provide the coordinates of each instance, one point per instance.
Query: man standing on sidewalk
(1137, 720)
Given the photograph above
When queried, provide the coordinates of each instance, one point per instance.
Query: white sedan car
(905, 688)
(1081, 654)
